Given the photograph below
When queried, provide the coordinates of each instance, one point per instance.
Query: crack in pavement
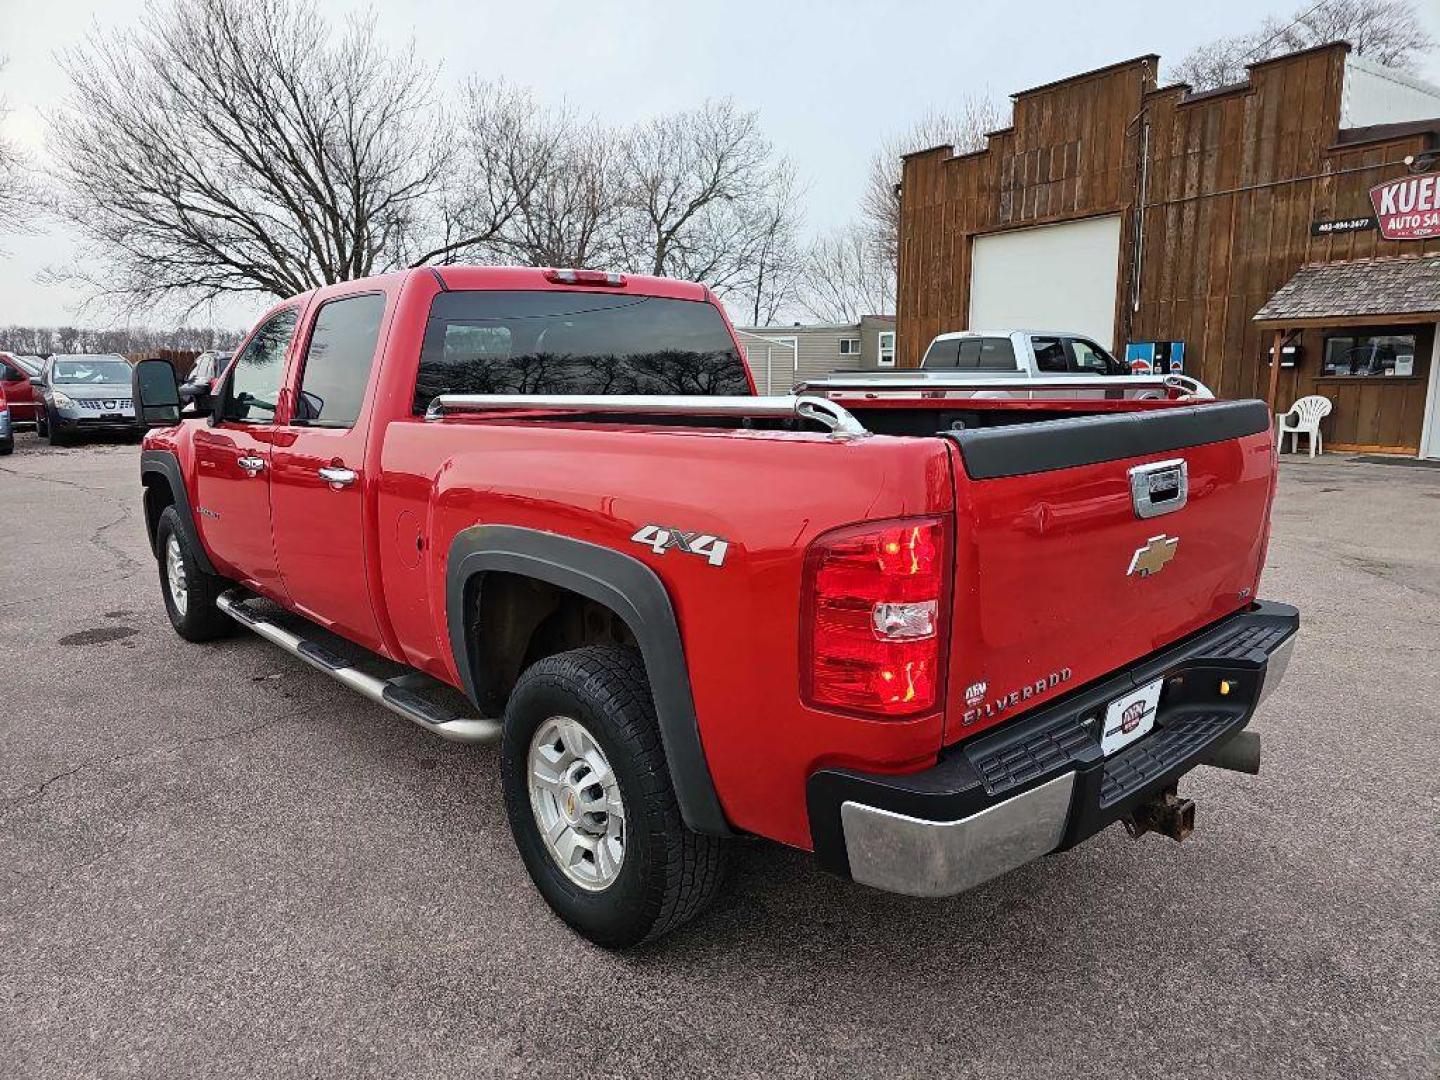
(127, 563)
(38, 793)
(52, 480)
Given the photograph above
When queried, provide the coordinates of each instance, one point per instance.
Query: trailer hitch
(1164, 812)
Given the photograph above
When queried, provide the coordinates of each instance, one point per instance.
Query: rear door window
(1051, 356)
(996, 354)
(338, 361)
(482, 342)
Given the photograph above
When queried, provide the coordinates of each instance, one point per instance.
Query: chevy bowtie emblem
(1151, 558)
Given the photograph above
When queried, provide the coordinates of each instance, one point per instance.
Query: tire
(7, 447)
(53, 435)
(666, 874)
(196, 617)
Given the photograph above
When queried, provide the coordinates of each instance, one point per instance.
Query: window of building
(338, 361)
(1369, 354)
(254, 383)
(886, 355)
(850, 346)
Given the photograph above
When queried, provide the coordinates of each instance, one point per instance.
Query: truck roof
(533, 277)
(1006, 332)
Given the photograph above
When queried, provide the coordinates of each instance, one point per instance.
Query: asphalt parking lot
(216, 862)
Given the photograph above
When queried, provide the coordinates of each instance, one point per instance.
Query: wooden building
(1137, 213)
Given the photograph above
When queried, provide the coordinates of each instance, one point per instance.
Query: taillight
(875, 619)
(585, 277)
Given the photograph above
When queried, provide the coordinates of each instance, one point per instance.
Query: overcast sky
(827, 78)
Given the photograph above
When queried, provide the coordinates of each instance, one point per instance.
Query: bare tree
(1386, 31)
(697, 195)
(19, 201)
(699, 192)
(964, 128)
(242, 146)
(510, 158)
(770, 287)
(846, 275)
(43, 340)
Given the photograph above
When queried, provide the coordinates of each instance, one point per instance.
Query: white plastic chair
(1303, 419)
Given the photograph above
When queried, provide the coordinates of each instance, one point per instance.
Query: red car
(15, 374)
(928, 639)
(7, 429)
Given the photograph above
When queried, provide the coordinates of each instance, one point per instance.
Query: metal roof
(1405, 287)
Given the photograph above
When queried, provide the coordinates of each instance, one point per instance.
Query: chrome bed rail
(840, 423)
(940, 382)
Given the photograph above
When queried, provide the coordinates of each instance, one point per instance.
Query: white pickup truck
(1034, 353)
(1031, 364)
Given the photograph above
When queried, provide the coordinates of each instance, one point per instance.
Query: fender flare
(163, 463)
(635, 593)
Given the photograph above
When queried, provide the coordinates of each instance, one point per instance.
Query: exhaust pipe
(1239, 753)
(1165, 813)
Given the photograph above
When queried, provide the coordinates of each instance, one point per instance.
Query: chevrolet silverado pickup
(928, 639)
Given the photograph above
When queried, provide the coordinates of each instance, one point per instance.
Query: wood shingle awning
(1398, 290)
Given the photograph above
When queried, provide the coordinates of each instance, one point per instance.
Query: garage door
(1055, 277)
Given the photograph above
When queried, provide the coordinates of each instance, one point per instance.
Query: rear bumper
(1040, 783)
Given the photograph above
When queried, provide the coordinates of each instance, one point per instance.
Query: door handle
(337, 476)
(251, 464)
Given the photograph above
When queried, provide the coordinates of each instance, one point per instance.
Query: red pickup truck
(928, 639)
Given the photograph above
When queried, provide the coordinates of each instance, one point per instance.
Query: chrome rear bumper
(940, 858)
(1041, 783)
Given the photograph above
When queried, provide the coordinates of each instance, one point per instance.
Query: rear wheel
(189, 591)
(590, 803)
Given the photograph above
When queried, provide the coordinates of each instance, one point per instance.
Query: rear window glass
(575, 343)
(942, 354)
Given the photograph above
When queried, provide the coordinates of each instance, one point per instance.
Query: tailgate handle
(1162, 487)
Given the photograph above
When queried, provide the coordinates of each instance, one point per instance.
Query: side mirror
(156, 392)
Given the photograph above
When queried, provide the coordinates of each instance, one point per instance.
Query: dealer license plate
(1128, 718)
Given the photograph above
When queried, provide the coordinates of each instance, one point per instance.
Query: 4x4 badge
(661, 539)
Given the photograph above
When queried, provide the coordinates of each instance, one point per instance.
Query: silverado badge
(1152, 557)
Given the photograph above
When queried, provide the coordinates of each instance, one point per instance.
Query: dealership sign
(1408, 209)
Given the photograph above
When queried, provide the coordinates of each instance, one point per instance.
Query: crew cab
(1025, 353)
(927, 639)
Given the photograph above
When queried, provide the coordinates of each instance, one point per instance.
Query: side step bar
(395, 694)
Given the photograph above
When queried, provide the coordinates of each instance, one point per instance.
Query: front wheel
(52, 433)
(189, 591)
(590, 803)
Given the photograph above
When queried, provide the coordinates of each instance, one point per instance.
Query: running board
(395, 694)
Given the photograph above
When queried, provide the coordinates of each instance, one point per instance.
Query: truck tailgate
(1059, 577)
